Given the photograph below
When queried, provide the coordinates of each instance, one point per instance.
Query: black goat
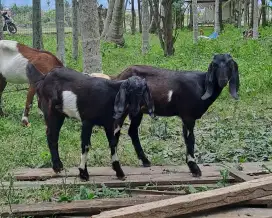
(94, 101)
(187, 94)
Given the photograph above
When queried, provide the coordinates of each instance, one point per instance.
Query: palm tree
(216, 17)
(195, 21)
(37, 41)
(75, 29)
(145, 33)
(255, 20)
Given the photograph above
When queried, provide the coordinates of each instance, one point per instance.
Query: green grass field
(234, 131)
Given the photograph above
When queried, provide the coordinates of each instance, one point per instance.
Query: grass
(230, 131)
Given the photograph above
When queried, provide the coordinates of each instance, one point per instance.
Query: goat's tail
(33, 74)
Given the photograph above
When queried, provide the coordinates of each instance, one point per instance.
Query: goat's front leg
(113, 138)
(189, 138)
(54, 122)
(28, 105)
(133, 133)
(86, 132)
(3, 84)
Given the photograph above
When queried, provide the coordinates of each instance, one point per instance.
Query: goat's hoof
(83, 174)
(146, 164)
(195, 170)
(58, 167)
(25, 123)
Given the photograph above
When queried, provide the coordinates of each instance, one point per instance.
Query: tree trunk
(37, 41)
(264, 23)
(216, 17)
(252, 13)
(100, 19)
(195, 21)
(92, 60)
(108, 18)
(239, 19)
(115, 33)
(255, 20)
(245, 12)
(133, 18)
(1, 23)
(75, 29)
(125, 9)
(190, 26)
(140, 16)
(145, 34)
(155, 18)
(60, 30)
(221, 16)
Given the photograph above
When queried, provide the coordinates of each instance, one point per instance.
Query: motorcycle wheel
(12, 28)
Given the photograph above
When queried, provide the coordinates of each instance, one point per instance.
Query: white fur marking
(12, 63)
(170, 93)
(24, 118)
(117, 129)
(83, 160)
(114, 157)
(190, 158)
(70, 104)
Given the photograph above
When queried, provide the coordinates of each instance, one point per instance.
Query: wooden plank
(240, 176)
(195, 202)
(266, 201)
(112, 181)
(76, 207)
(237, 213)
(254, 168)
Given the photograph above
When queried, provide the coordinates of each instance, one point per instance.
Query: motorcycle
(9, 25)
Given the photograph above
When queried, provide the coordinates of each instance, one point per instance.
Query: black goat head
(132, 93)
(222, 69)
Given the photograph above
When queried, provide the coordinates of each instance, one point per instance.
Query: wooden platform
(164, 182)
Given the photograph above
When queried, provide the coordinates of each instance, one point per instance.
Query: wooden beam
(89, 207)
(240, 176)
(195, 202)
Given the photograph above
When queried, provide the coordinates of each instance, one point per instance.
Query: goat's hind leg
(54, 122)
(28, 105)
(133, 133)
(85, 146)
(3, 84)
(189, 138)
(113, 138)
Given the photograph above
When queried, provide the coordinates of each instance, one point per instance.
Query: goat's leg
(113, 138)
(189, 138)
(3, 84)
(28, 105)
(54, 122)
(133, 133)
(86, 131)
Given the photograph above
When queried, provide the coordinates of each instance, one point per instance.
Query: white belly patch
(70, 104)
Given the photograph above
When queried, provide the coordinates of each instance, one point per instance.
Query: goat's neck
(216, 92)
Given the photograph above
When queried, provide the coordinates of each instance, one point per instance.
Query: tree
(1, 23)
(100, 18)
(140, 16)
(255, 20)
(92, 60)
(264, 23)
(75, 29)
(155, 18)
(60, 30)
(239, 18)
(125, 9)
(37, 40)
(252, 13)
(108, 18)
(133, 18)
(195, 21)
(116, 30)
(245, 12)
(145, 34)
(216, 17)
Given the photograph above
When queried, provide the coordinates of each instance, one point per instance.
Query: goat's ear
(234, 81)
(149, 102)
(120, 101)
(209, 83)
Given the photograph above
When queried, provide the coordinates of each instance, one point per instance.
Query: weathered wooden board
(254, 168)
(240, 176)
(237, 213)
(131, 181)
(187, 204)
(76, 207)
